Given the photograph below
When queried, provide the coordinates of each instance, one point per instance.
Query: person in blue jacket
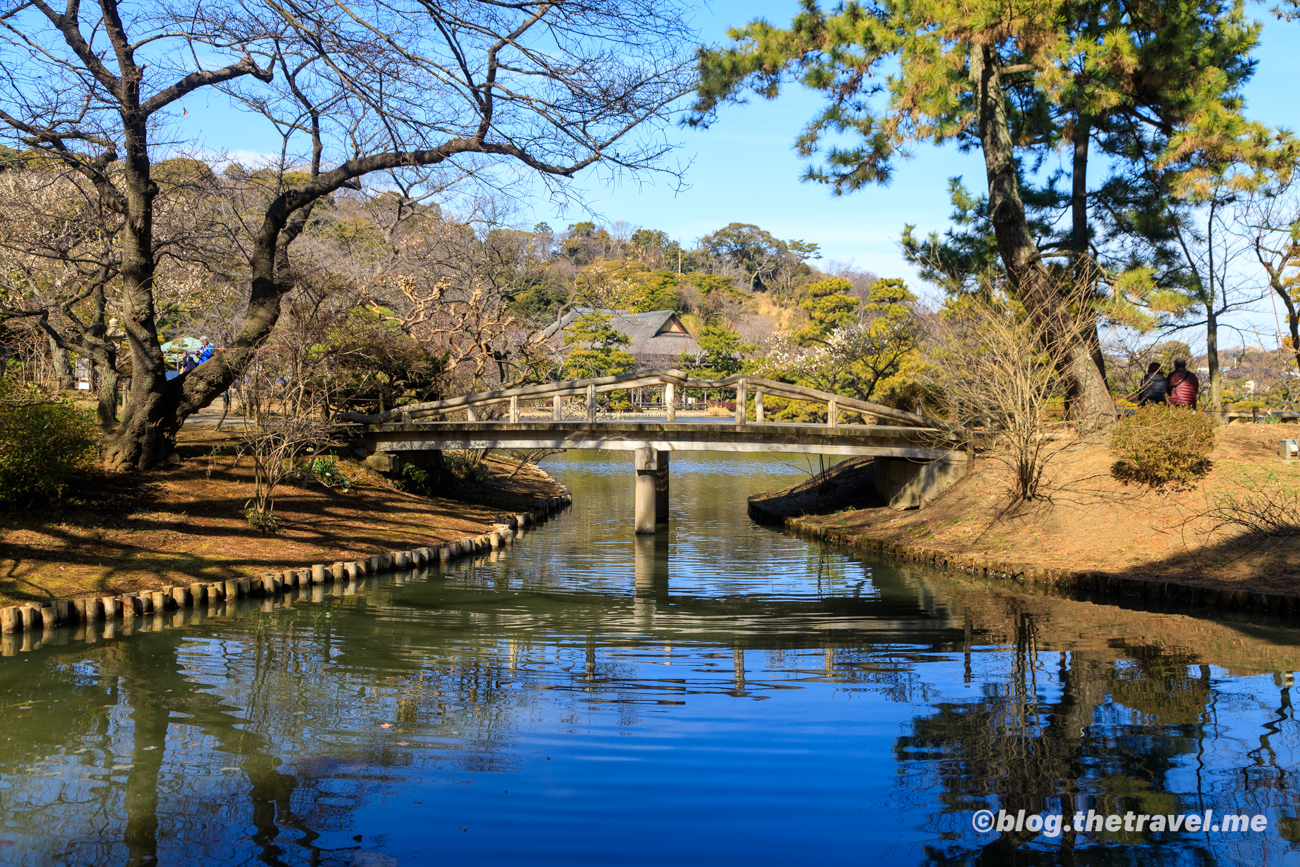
(205, 350)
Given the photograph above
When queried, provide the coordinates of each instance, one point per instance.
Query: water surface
(721, 693)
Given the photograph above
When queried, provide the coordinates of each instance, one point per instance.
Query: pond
(719, 693)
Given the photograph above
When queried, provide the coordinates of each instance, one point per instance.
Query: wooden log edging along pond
(1105, 583)
(30, 620)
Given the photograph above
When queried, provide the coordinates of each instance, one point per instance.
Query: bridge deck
(880, 440)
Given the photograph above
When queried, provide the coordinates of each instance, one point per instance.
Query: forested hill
(482, 298)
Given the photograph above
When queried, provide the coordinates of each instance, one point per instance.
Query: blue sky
(744, 168)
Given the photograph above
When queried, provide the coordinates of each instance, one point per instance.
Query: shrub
(467, 464)
(44, 443)
(262, 520)
(417, 480)
(1161, 445)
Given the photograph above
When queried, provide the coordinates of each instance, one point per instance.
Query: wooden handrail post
(758, 406)
(591, 403)
(514, 409)
(557, 408)
(832, 413)
(471, 414)
(669, 404)
(742, 410)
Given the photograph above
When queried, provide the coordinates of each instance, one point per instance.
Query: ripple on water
(718, 693)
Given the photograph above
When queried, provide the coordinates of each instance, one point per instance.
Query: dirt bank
(1089, 522)
(119, 534)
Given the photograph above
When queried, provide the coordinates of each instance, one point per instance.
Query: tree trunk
(157, 407)
(1079, 189)
(1212, 361)
(143, 440)
(106, 410)
(1292, 315)
(1084, 273)
(102, 354)
(62, 367)
(1088, 401)
(1293, 322)
(1292, 342)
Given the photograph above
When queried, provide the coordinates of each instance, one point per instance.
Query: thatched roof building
(658, 338)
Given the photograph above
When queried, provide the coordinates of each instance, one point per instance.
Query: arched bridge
(916, 455)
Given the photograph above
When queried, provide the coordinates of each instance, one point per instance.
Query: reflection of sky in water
(582, 699)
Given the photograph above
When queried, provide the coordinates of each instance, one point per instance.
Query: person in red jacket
(1184, 387)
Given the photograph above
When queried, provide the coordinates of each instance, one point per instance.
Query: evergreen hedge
(1162, 445)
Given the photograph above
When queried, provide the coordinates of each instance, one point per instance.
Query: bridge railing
(670, 380)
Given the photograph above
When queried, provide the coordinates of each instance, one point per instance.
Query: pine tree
(1017, 79)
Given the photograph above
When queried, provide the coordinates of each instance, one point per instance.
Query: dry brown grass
(1091, 521)
(119, 533)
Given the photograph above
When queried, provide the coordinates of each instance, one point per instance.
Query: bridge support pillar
(651, 500)
(661, 488)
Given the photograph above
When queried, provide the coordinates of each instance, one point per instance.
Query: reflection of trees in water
(210, 736)
(836, 575)
(292, 704)
(35, 755)
(886, 670)
(459, 696)
(1267, 772)
(165, 799)
(1066, 732)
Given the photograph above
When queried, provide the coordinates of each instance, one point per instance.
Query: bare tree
(552, 87)
(1212, 254)
(993, 364)
(58, 257)
(285, 395)
(285, 419)
(1270, 221)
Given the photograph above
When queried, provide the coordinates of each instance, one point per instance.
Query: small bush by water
(1161, 445)
(417, 480)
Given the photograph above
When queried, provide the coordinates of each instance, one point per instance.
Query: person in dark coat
(1154, 387)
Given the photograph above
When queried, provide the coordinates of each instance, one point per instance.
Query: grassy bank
(117, 534)
(1087, 522)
